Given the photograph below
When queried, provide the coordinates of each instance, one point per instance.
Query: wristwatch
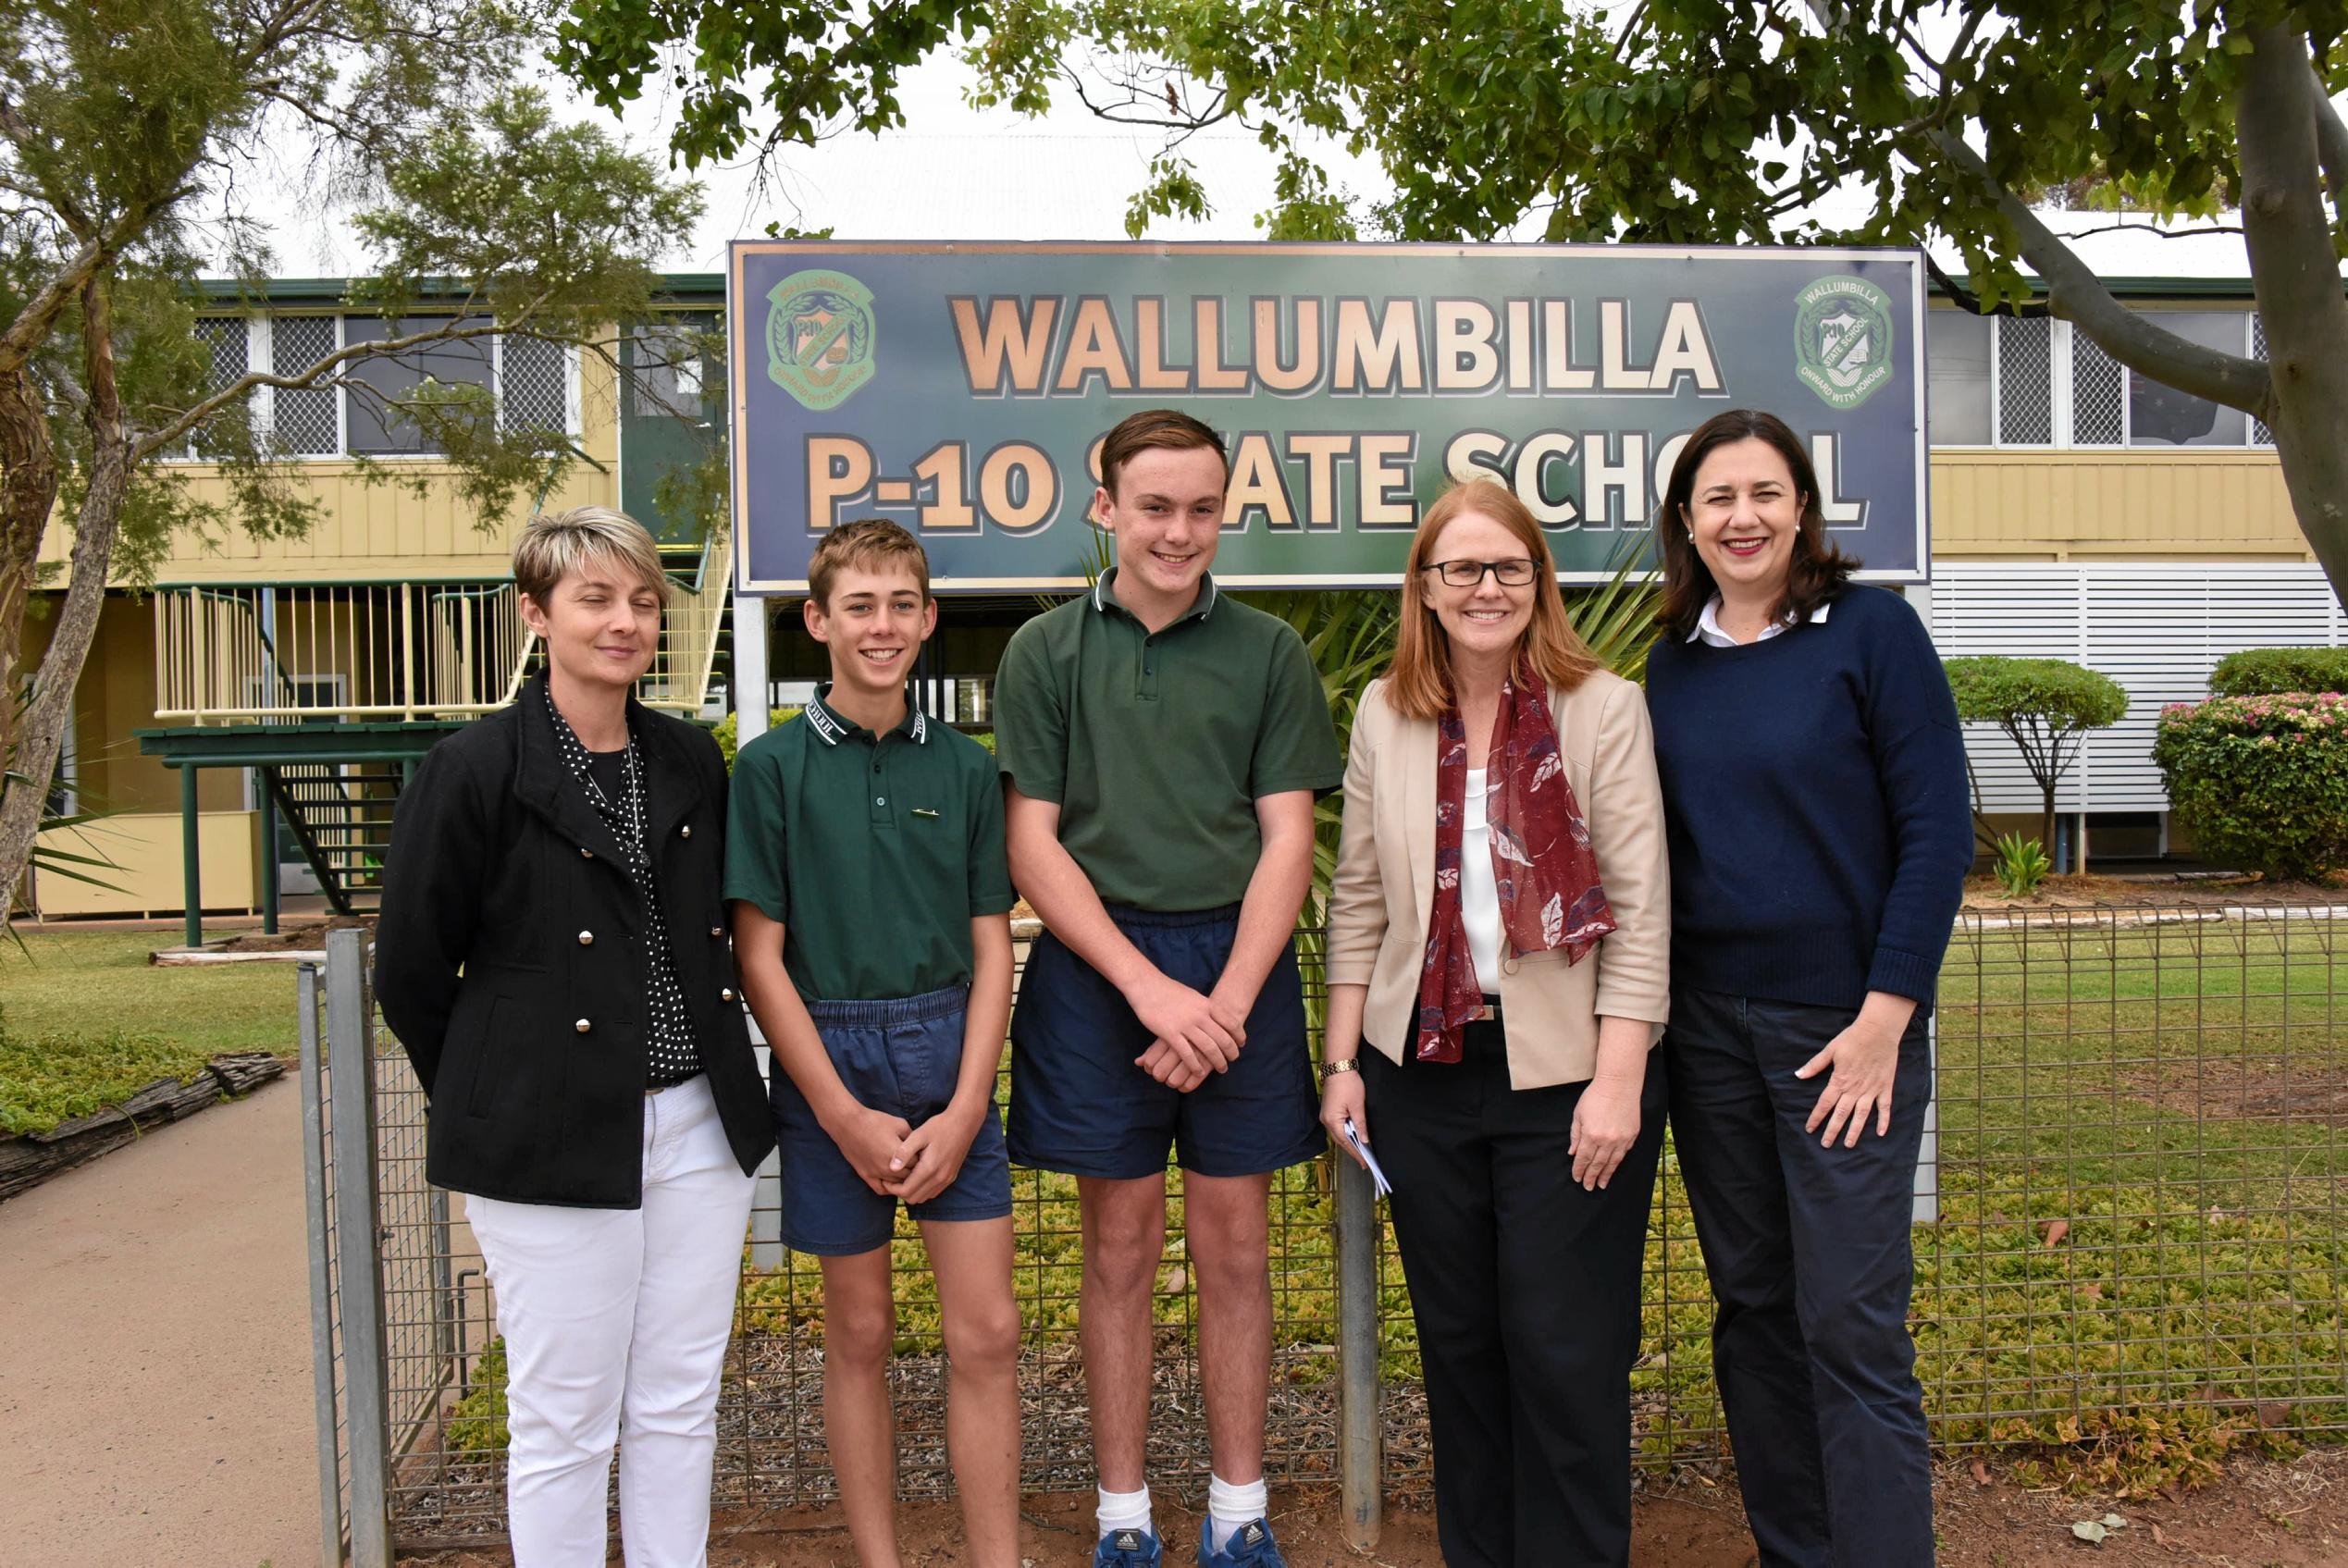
(1331, 1069)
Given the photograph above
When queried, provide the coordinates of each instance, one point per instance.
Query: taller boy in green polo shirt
(1163, 745)
(865, 866)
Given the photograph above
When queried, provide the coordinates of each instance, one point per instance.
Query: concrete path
(154, 1353)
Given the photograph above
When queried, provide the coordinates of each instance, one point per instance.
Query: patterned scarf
(1549, 895)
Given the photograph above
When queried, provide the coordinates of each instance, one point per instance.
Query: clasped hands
(1193, 1034)
(899, 1160)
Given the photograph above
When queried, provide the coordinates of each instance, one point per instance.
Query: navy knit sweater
(1820, 821)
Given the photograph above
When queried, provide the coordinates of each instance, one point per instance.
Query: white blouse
(1478, 894)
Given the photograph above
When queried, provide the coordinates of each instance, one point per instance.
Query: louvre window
(2053, 385)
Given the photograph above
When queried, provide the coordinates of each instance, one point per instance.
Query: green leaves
(2260, 672)
(2061, 695)
(2260, 782)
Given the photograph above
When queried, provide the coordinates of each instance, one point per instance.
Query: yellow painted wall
(2209, 503)
(114, 697)
(377, 531)
(148, 859)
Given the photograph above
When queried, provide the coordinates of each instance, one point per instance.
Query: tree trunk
(28, 494)
(2295, 275)
(45, 718)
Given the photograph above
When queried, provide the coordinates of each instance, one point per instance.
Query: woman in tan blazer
(1498, 935)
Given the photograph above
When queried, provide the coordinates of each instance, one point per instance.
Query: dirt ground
(2263, 1513)
(155, 1405)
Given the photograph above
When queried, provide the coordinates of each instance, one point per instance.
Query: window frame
(2062, 424)
(259, 348)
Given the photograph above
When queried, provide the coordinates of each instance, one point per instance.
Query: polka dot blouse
(615, 785)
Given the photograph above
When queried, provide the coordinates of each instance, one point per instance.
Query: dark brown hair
(1419, 684)
(1817, 571)
(869, 544)
(1165, 427)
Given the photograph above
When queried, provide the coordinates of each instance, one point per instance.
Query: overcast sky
(959, 173)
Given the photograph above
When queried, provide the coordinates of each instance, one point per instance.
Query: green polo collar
(1105, 597)
(831, 728)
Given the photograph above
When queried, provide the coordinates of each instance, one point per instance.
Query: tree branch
(2078, 296)
(2332, 152)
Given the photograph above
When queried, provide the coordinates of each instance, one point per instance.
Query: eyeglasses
(1512, 574)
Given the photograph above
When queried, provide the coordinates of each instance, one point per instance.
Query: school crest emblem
(820, 337)
(1842, 339)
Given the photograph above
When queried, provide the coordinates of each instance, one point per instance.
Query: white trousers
(615, 1324)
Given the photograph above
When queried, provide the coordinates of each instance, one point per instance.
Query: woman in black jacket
(552, 956)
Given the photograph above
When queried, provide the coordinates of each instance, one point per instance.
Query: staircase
(341, 814)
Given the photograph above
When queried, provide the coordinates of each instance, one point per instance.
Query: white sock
(1124, 1510)
(1230, 1507)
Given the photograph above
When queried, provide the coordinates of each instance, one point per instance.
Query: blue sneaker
(1251, 1548)
(1128, 1548)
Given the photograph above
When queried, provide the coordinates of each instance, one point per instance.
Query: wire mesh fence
(2133, 1202)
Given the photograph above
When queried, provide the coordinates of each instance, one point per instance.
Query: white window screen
(2259, 435)
(2025, 385)
(533, 385)
(2099, 395)
(306, 423)
(227, 340)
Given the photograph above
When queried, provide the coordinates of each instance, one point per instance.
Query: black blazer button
(685, 832)
(717, 930)
(587, 854)
(583, 1026)
(726, 995)
(586, 939)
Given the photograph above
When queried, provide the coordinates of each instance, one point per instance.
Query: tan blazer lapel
(1415, 740)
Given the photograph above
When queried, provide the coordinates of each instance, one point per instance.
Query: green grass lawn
(86, 1021)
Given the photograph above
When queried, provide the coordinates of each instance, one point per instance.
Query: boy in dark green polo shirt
(865, 864)
(1163, 744)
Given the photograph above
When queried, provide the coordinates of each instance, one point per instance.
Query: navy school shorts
(902, 1058)
(1079, 1106)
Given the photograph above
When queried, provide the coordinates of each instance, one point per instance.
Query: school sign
(963, 389)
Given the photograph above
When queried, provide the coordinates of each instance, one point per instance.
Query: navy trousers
(1525, 1290)
(1809, 1255)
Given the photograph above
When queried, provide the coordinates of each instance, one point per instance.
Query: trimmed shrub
(2261, 782)
(2263, 671)
(725, 730)
(2045, 706)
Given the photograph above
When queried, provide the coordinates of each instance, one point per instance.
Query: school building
(247, 724)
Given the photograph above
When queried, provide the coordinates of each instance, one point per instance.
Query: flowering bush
(2261, 782)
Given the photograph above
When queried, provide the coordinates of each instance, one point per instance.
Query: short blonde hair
(554, 545)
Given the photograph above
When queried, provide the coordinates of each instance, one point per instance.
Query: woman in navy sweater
(1814, 796)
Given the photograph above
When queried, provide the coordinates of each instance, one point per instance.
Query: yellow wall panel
(145, 849)
(2213, 503)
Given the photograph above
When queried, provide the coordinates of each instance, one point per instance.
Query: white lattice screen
(2025, 403)
(2157, 628)
(2259, 435)
(2099, 395)
(534, 385)
(304, 421)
